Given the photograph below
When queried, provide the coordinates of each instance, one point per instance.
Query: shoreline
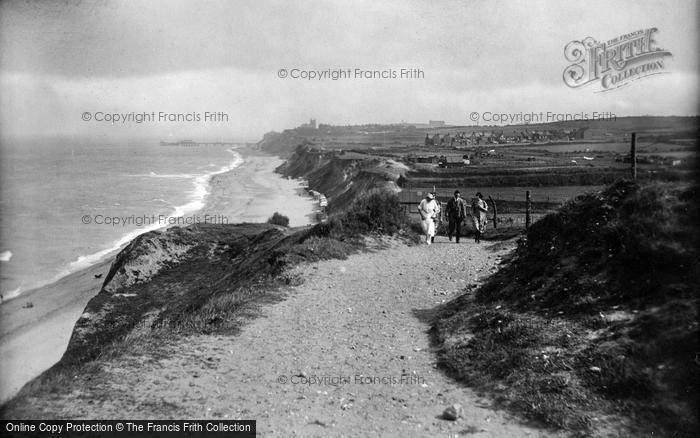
(32, 339)
(253, 196)
(226, 173)
(192, 204)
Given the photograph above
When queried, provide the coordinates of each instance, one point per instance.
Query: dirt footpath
(346, 354)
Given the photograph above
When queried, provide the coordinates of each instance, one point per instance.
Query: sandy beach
(249, 194)
(34, 336)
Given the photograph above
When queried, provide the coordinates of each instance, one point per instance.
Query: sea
(69, 203)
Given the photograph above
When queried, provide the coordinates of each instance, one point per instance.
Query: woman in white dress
(428, 210)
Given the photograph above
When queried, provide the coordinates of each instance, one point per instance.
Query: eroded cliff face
(340, 178)
(162, 275)
(283, 143)
(144, 257)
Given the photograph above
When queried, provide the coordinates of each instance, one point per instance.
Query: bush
(379, 212)
(332, 228)
(278, 219)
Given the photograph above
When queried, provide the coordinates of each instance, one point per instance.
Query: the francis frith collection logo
(616, 62)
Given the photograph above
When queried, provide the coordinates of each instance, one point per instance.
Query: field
(568, 159)
(617, 147)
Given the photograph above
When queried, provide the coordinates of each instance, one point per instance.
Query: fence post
(495, 212)
(633, 155)
(528, 207)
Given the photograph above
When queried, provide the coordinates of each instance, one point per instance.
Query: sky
(61, 59)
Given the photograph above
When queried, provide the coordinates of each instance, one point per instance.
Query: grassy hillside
(594, 318)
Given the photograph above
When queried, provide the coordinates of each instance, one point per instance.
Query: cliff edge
(162, 277)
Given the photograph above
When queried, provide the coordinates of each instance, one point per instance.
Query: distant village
(476, 136)
(476, 143)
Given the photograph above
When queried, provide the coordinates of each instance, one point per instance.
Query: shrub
(332, 228)
(401, 181)
(378, 212)
(278, 219)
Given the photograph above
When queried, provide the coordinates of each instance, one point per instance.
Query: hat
(431, 196)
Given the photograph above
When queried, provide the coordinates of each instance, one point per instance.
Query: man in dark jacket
(456, 212)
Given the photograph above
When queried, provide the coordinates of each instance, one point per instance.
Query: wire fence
(508, 212)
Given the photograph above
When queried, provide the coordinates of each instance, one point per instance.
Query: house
(488, 137)
(451, 161)
(540, 136)
(310, 125)
(500, 138)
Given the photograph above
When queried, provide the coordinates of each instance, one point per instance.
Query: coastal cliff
(592, 316)
(342, 177)
(162, 277)
(341, 173)
(174, 279)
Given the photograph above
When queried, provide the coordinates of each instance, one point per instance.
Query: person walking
(456, 212)
(427, 209)
(437, 216)
(479, 209)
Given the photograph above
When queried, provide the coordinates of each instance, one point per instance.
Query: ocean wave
(169, 175)
(197, 196)
(196, 200)
(7, 295)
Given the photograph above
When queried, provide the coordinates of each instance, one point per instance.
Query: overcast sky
(59, 59)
